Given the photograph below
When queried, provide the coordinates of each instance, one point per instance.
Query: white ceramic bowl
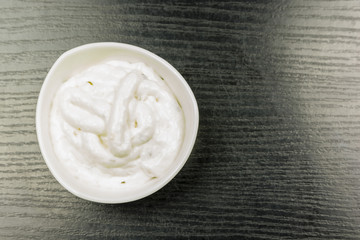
(78, 59)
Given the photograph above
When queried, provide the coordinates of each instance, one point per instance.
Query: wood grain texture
(278, 149)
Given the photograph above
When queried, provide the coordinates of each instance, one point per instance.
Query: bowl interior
(80, 58)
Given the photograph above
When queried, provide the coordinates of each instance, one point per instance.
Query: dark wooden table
(278, 148)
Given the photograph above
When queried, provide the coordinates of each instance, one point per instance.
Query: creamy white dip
(116, 125)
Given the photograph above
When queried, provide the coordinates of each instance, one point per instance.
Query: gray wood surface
(278, 88)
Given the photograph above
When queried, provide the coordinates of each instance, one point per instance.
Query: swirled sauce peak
(116, 125)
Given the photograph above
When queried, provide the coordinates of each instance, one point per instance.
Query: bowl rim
(41, 138)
